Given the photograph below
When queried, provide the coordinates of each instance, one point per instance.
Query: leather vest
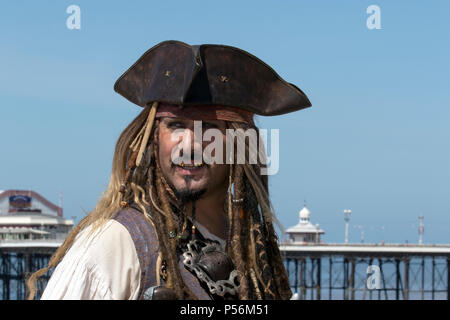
(147, 248)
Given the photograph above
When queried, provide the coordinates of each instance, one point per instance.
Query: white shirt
(101, 266)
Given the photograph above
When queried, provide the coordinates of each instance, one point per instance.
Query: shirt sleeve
(102, 265)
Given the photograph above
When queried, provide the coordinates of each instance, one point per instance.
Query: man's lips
(190, 169)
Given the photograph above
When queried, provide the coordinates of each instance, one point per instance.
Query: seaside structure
(304, 232)
(347, 271)
(31, 229)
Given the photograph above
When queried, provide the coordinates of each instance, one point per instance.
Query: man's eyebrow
(167, 120)
(210, 122)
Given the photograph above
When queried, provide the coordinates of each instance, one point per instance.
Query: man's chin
(185, 195)
(187, 189)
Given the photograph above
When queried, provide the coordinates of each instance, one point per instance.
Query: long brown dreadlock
(252, 241)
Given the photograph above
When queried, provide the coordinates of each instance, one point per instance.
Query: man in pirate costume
(182, 230)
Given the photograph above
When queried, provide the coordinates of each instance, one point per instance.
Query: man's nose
(192, 140)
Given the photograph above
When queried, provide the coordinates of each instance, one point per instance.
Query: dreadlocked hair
(136, 177)
(108, 204)
(253, 243)
(167, 226)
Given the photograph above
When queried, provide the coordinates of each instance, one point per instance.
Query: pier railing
(368, 271)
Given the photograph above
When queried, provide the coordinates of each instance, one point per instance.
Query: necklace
(212, 266)
(209, 262)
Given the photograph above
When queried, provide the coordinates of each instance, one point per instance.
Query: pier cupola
(305, 231)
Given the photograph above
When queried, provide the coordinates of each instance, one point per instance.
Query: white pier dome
(304, 214)
(305, 231)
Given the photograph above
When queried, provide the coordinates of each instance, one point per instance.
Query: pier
(31, 230)
(319, 270)
(368, 271)
(18, 260)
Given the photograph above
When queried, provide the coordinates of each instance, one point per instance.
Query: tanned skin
(208, 183)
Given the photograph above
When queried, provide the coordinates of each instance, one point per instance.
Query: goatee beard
(187, 195)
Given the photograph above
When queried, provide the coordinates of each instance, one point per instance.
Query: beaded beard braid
(137, 178)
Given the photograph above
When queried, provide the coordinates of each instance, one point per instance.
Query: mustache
(190, 156)
(186, 159)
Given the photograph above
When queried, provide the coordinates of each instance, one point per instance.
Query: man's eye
(175, 125)
(207, 125)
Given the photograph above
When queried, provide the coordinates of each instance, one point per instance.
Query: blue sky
(375, 141)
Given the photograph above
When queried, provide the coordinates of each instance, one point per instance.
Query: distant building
(26, 215)
(304, 231)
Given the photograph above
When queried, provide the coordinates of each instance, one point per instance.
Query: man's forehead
(204, 113)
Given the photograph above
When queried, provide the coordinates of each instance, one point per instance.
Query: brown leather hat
(177, 73)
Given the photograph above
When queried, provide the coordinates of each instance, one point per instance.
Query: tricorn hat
(174, 72)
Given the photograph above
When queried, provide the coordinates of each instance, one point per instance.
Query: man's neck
(209, 212)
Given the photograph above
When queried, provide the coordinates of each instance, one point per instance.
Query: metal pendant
(212, 266)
